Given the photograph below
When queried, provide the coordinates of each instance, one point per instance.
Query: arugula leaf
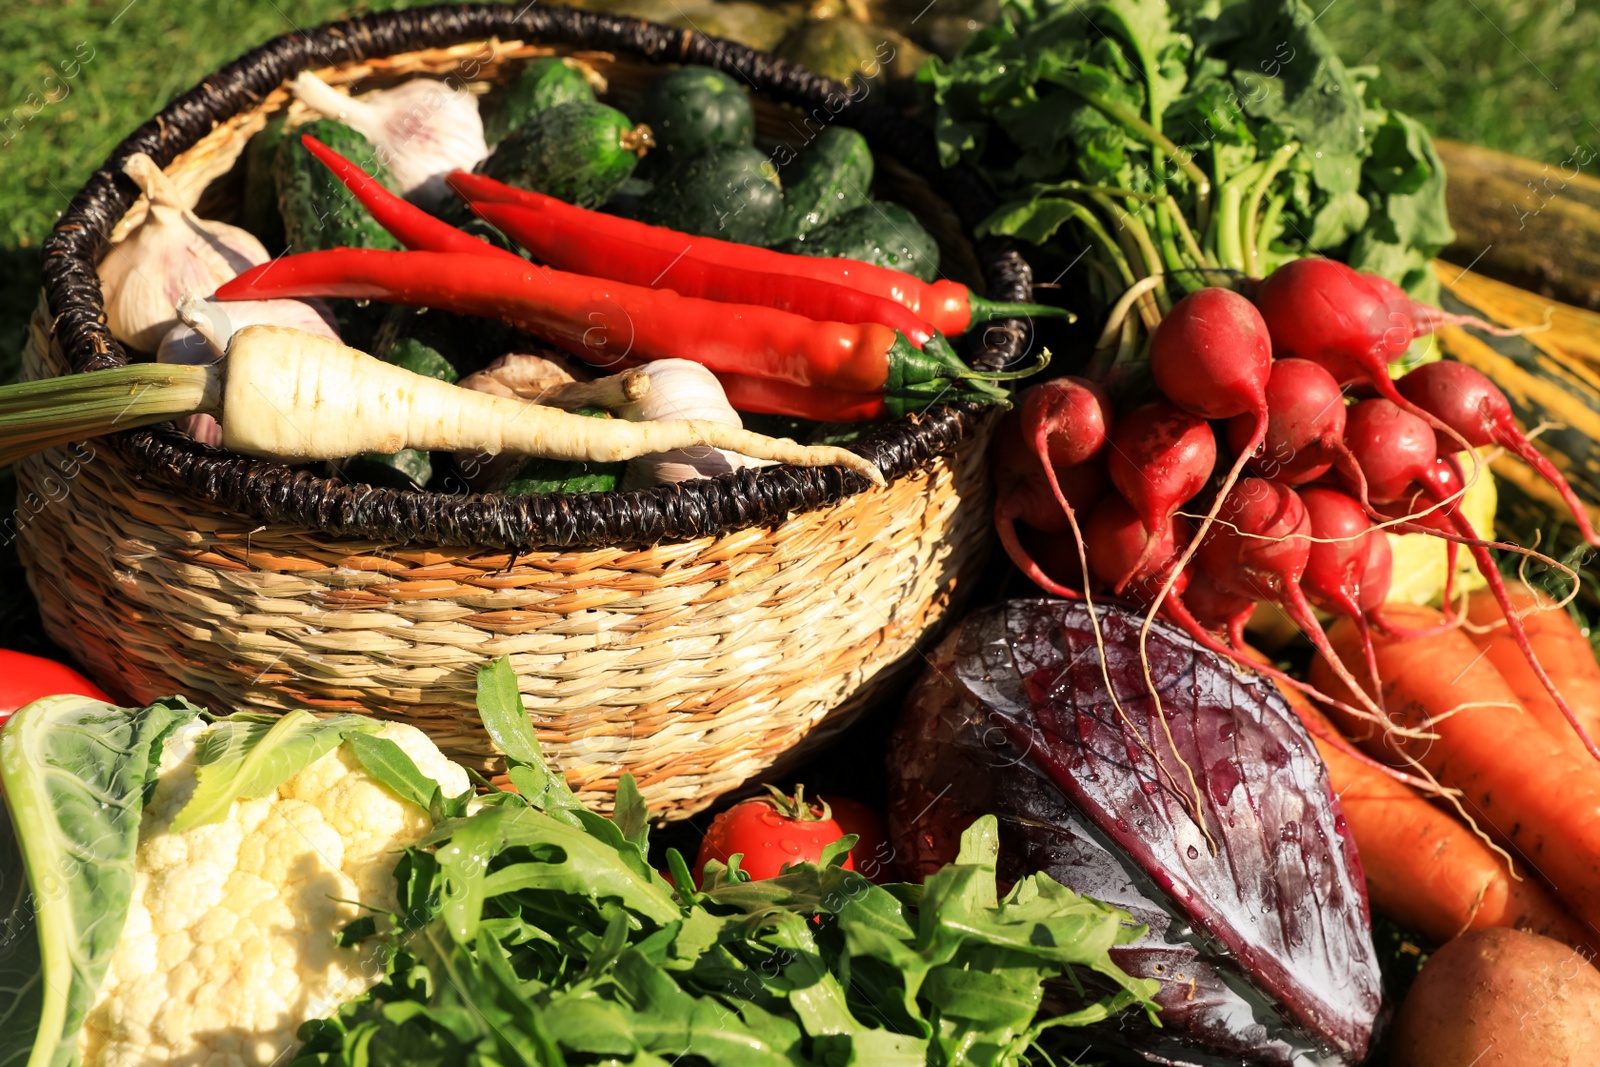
(388, 763)
(504, 717)
(75, 773)
(245, 758)
(630, 814)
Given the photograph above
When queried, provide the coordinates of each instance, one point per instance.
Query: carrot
(1536, 794)
(1560, 646)
(1424, 868)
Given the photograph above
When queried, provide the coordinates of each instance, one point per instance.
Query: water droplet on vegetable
(1193, 852)
(791, 846)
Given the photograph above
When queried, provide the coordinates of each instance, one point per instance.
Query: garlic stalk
(171, 252)
(683, 389)
(422, 130)
(205, 327)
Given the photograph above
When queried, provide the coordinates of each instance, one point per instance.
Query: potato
(1501, 998)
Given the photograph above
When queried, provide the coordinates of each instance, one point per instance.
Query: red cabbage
(1263, 946)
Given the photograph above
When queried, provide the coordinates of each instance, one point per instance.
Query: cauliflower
(229, 943)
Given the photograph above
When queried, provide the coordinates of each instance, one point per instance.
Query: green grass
(1521, 76)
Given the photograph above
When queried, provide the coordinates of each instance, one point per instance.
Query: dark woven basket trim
(273, 493)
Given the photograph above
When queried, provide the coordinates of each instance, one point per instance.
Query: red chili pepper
(763, 396)
(567, 241)
(604, 322)
(410, 225)
(946, 306)
(25, 678)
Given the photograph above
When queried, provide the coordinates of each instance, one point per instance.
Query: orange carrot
(1519, 782)
(1560, 646)
(1424, 868)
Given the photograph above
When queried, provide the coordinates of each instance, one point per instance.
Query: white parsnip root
(291, 395)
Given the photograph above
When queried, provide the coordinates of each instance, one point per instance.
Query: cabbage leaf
(76, 773)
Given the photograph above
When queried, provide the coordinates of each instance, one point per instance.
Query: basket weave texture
(692, 636)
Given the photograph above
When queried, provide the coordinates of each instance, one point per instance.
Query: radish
(1468, 402)
(1323, 311)
(1159, 457)
(1336, 575)
(1391, 448)
(1262, 552)
(1444, 483)
(1214, 608)
(1379, 574)
(1354, 324)
(1075, 415)
(1066, 420)
(1121, 551)
(1305, 425)
(1212, 355)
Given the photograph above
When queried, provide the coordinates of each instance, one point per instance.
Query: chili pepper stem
(984, 310)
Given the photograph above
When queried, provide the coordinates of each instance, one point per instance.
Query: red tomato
(772, 832)
(872, 855)
(25, 678)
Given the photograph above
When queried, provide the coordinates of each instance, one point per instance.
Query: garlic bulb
(422, 130)
(205, 327)
(183, 345)
(173, 251)
(682, 389)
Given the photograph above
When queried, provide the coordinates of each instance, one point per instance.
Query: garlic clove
(683, 389)
(422, 130)
(171, 252)
(183, 344)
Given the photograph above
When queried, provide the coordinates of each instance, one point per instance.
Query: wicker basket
(691, 635)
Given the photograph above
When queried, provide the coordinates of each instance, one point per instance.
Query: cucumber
(258, 204)
(564, 476)
(405, 469)
(577, 152)
(830, 176)
(693, 110)
(318, 211)
(885, 234)
(540, 475)
(542, 85)
(420, 358)
(729, 193)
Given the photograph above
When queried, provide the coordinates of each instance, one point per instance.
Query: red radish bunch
(1284, 509)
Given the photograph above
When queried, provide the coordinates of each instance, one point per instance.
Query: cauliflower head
(230, 942)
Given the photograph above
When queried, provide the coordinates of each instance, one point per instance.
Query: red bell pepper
(410, 225)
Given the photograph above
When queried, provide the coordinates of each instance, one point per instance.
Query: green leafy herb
(534, 932)
(1195, 143)
(242, 758)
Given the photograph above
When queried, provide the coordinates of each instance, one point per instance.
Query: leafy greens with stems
(530, 930)
(534, 931)
(1192, 143)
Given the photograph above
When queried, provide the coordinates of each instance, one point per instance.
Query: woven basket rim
(270, 492)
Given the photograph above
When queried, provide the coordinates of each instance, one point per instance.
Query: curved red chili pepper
(604, 321)
(568, 242)
(948, 307)
(410, 225)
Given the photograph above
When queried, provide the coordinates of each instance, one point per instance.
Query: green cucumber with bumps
(883, 234)
(578, 152)
(318, 212)
(831, 176)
